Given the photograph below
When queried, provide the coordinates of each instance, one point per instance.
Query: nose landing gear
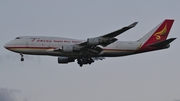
(22, 58)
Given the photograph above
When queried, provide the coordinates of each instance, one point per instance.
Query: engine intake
(64, 60)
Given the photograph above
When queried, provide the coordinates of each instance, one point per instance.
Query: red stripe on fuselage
(20, 47)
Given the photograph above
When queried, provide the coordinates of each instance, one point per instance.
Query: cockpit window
(17, 37)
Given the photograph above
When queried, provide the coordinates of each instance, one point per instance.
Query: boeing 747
(97, 48)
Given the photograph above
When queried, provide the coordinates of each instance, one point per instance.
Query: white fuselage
(41, 45)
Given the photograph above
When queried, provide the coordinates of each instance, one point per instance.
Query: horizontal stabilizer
(162, 43)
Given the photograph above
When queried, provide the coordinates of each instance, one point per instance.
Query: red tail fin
(159, 33)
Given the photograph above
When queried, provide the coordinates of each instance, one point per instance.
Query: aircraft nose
(7, 45)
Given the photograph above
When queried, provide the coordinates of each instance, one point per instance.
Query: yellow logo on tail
(160, 33)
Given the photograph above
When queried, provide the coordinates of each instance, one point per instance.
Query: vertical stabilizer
(157, 34)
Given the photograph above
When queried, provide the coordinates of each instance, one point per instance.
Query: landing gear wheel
(79, 61)
(22, 59)
(80, 65)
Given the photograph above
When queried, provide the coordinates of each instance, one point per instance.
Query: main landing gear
(22, 58)
(82, 61)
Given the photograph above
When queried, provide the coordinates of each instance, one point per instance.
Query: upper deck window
(17, 37)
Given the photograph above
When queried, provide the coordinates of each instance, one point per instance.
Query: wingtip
(133, 24)
(172, 38)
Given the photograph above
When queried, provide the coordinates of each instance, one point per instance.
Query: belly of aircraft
(43, 51)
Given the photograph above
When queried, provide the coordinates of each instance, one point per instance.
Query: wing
(107, 38)
(91, 46)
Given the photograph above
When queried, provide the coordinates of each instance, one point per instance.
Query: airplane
(97, 48)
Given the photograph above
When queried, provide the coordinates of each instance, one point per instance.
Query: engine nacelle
(67, 48)
(63, 60)
(93, 41)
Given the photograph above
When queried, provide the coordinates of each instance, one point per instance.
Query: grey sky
(153, 76)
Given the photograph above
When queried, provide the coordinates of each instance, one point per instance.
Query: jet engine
(63, 60)
(93, 41)
(67, 48)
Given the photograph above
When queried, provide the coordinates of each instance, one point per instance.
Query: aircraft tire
(80, 65)
(22, 59)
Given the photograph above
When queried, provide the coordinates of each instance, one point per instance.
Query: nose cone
(7, 45)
